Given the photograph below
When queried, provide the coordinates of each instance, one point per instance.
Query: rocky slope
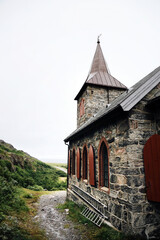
(27, 170)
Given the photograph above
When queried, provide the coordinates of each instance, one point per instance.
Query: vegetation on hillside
(28, 171)
(17, 170)
(16, 214)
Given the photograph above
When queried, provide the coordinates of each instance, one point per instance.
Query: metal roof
(125, 101)
(98, 63)
(99, 73)
(104, 79)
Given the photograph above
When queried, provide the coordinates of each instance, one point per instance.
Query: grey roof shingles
(126, 101)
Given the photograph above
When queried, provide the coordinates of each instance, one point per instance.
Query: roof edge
(95, 84)
(83, 128)
(142, 90)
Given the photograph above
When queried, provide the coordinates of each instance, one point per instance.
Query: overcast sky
(46, 50)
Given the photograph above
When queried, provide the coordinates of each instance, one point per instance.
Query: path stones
(55, 224)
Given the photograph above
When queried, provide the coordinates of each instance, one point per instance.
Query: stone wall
(126, 205)
(95, 98)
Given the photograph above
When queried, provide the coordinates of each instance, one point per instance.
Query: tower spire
(99, 73)
(98, 62)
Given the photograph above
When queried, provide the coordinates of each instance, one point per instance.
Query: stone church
(114, 154)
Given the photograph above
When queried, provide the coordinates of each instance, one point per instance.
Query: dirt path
(55, 224)
(62, 169)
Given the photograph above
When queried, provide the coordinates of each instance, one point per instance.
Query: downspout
(67, 163)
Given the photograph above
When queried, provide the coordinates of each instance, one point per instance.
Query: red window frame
(78, 163)
(81, 107)
(91, 157)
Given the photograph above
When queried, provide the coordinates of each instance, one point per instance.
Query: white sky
(46, 49)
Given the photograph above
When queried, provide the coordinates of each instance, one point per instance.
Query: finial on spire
(98, 41)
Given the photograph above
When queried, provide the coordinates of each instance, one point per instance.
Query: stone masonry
(95, 97)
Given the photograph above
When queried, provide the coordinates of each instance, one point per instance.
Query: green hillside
(22, 177)
(27, 171)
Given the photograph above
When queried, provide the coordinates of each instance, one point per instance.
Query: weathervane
(98, 41)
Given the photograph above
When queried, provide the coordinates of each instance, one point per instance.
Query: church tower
(99, 89)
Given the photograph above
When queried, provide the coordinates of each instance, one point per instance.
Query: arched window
(81, 108)
(85, 163)
(103, 164)
(73, 162)
(78, 164)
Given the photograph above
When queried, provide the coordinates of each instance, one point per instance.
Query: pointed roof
(99, 73)
(98, 63)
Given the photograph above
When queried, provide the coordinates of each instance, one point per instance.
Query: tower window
(81, 107)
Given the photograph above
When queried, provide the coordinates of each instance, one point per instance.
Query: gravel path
(55, 223)
(62, 169)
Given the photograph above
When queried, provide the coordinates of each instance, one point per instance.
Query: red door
(152, 167)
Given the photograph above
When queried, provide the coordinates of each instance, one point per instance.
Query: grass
(62, 179)
(89, 230)
(19, 225)
(31, 201)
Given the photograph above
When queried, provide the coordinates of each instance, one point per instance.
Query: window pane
(105, 165)
(103, 179)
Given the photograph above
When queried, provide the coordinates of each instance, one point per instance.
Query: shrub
(35, 188)
(28, 195)
(10, 197)
(60, 185)
(12, 233)
(2, 217)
